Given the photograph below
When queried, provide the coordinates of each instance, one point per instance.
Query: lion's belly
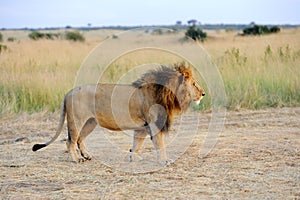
(118, 107)
(111, 124)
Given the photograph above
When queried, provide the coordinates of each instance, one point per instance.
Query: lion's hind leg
(72, 141)
(88, 127)
(138, 141)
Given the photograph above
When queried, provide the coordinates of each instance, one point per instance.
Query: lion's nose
(203, 94)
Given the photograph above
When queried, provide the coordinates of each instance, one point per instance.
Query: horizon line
(137, 26)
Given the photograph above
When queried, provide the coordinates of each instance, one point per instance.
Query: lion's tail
(59, 129)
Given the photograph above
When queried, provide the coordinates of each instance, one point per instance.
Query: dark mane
(161, 76)
(162, 84)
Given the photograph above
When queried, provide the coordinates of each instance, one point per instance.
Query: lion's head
(174, 88)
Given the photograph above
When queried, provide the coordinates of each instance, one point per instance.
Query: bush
(274, 29)
(260, 30)
(11, 39)
(1, 37)
(114, 36)
(195, 33)
(75, 36)
(51, 36)
(3, 48)
(35, 35)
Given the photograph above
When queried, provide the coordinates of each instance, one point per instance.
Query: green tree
(260, 30)
(75, 36)
(195, 33)
(274, 29)
(35, 35)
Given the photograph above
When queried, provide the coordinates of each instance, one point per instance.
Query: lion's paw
(87, 156)
(80, 160)
(166, 162)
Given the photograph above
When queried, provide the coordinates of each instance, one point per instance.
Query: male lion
(147, 106)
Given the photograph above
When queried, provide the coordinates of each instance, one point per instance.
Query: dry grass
(36, 74)
(256, 156)
(258, 72)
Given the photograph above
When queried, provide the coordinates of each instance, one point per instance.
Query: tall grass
(258, 72)
(36, 74)
(261, 71)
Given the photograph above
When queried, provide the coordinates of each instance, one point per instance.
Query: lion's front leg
(138, 141)
(158, 141)
(158, 119)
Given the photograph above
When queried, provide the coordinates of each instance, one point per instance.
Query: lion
(147, 106)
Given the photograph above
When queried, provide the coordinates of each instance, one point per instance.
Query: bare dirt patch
(257, 156)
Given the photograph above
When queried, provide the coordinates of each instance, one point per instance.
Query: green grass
(264, 81)
(258, 72)
(26, 99)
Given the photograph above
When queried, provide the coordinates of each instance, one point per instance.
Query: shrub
(35, 35)
(114, 36)
(195, 33)
(51, 36)
(75, 36)
(11, 39)
(1, 37)
(274, 29)
(260, 30)
(3, 48)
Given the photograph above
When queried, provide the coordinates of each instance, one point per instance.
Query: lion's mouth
(198, 101)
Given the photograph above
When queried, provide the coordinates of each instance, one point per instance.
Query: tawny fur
(147, 106)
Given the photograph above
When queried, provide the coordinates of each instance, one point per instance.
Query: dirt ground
(257, 156)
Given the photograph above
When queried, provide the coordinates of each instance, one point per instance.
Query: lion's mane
(162, 84)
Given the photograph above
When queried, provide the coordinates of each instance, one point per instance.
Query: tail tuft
(38, 146)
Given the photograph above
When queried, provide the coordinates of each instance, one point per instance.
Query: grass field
(256, 154)
(258, 72)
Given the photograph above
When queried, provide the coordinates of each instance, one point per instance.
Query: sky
(61, 13)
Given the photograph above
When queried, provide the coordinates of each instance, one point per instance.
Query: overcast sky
(60, 13)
